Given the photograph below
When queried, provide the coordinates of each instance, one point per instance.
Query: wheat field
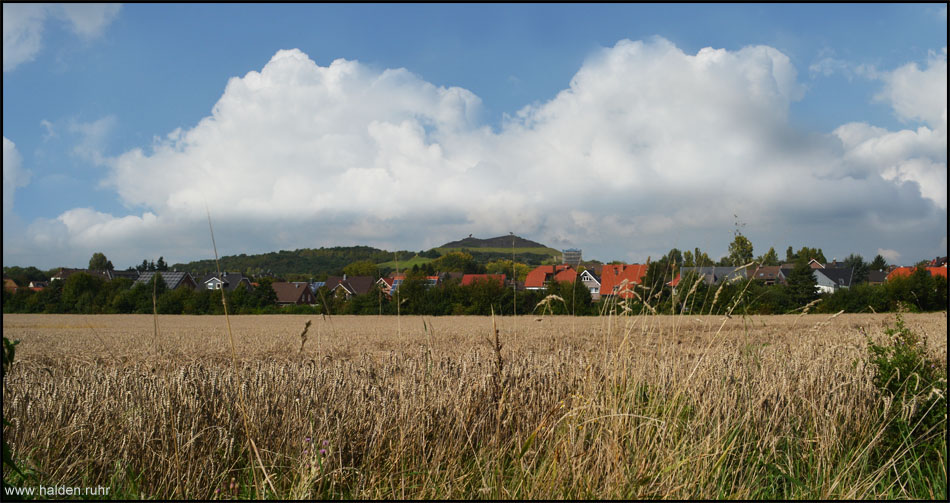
(635, 407)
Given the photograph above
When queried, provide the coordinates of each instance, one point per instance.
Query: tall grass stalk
(242, 402)
(160, 353)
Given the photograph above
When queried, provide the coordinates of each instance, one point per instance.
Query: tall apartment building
(572, 256)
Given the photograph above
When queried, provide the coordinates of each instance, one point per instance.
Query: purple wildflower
(326, 443)
(323, 452)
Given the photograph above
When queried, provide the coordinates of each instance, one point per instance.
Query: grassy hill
(498, 242)
(487, 250)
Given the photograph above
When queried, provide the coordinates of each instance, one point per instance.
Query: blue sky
(623, 130)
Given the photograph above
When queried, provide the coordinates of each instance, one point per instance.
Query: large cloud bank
(647, 148)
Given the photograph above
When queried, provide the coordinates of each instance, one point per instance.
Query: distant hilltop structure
(496, 242)
(572, 256)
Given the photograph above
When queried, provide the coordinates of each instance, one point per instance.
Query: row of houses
(297, 293)
(600, 280)
(620, 279)
(230, 281)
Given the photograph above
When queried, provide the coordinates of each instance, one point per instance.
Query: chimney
(344, 276)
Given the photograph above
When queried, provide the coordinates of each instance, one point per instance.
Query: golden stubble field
(387, 407)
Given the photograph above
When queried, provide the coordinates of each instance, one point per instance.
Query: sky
(624, 130)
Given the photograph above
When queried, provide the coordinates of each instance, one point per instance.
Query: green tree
(22, 276)
(696, 258)
(576, 297)
(658, 274)
(811, 253)
(675, 257)
(99, 262)
(770, 258)
(485, 295)
(412, 294)
(161, 265)
(372, 302)
(701, 258)
(801, 282)
(740, 251)
(456, 262)
(174, 301)
(362, 268)
(264, 295)
(79, 293)
(859, 269)
(878, 264)
(503, 266)
(805, 252)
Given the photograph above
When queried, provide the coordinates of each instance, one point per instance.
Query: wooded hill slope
(323, 261)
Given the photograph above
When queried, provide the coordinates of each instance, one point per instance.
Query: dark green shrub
(916, 386)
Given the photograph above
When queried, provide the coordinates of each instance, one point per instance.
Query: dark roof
(877, 276)
(66, 272)
(355, 285)
(766, 272)
(292, 293)
(838, 275)
(718, 274)
(132, 275)
(172, 279)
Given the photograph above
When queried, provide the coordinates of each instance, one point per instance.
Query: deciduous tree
(99, 262)
(740, 251)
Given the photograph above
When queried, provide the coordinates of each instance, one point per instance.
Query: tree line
(85, 294)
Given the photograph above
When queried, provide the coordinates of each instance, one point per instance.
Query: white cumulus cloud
(23, 25)
(918, 155)
(892, 256)
(648, 147)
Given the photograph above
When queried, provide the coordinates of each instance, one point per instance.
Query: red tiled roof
(470, 279)
(536, 277)
(613, 276)
(568, 275)
(903, 272)
(543, 273)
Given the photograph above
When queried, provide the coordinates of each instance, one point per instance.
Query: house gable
(292, 293)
